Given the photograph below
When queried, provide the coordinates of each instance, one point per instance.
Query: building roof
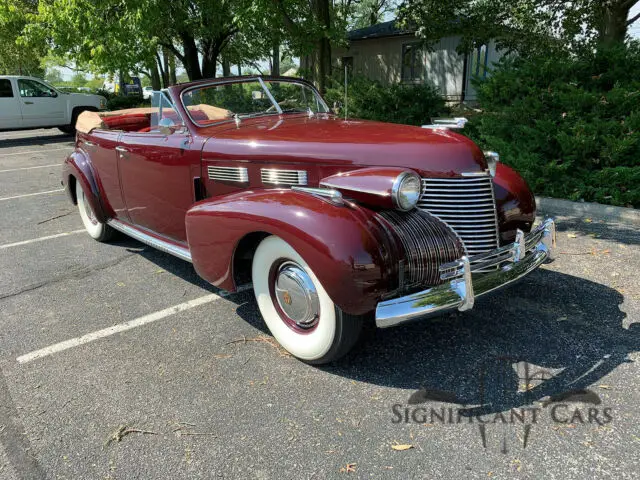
(386, 29)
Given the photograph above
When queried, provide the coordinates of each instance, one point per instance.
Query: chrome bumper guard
(470, 277)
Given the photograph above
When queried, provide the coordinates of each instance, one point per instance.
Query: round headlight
(406, 191)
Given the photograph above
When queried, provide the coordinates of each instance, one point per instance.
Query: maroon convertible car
(333, 221)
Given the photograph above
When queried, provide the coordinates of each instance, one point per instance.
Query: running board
(162, 245)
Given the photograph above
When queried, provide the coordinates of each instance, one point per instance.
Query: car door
(41, 105)
(155, 174)
(10, 115)
(100, 146)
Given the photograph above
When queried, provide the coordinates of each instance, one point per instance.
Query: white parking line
(30, 168)
(122, 327)
(35, 151)
(32, 194)
(40, 239)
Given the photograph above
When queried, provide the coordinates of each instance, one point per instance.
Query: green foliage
(570, 125)
(17, 58)
(397, 103)
(525, 26)
(116, 102)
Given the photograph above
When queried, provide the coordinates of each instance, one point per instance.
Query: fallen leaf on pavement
(572, 235)
(605, 387)
(348, 468)
(405, 446)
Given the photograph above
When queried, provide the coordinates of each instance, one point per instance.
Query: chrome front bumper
(470, 277)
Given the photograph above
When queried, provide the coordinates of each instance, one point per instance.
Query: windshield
(210, 104)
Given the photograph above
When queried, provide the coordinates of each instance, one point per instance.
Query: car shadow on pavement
(545, 336)
(36, 140)
(548, 335)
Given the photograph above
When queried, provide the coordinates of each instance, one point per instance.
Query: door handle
(89, 144)
(28, 103)
(124, 153)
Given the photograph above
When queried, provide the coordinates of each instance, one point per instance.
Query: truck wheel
(296, 308)
(71, 128)
(98, 230)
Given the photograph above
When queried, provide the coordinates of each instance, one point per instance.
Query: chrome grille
(283, 177)
(228, 174)
(427, 244)
(467, 205)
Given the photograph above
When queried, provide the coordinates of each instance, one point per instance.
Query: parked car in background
(27, 102)
(335, 222)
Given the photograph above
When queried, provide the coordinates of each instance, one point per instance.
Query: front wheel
(98, 230)
(296, 308)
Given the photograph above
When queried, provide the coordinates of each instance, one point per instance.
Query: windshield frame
(263, 83)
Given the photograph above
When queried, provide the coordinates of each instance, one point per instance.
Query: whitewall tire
(296, 308)
(98, 230)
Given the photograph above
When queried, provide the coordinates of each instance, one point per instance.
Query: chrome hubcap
(297, 295)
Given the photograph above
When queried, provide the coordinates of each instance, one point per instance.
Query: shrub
(397, 103)
(570, 126)
(122, 102)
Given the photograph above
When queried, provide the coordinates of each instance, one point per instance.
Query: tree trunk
(239, 70)
(155, 76)
(321, 57)
(613, 28)
(209, 59)
(275, 62)
(226, 67)
(165, 70)
(172, 69)
(191, 63)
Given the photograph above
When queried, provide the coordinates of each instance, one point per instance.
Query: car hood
(328, 140)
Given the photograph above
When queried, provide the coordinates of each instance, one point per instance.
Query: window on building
(412, 62)
(347, 62)
(480, 62)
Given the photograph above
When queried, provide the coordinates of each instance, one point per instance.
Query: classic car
(334, 221)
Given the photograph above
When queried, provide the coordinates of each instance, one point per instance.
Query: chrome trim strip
(228, 174)
(333, 195)
(277, 176)
(362, 190)
(133, 232)
(467, 282)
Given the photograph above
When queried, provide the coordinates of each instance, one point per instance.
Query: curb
(555, 206)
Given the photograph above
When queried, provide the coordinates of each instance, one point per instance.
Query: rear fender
(78, 166)
(342, 244)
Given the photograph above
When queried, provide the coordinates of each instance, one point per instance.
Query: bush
(121, 102)
(570, 126)
(397, 103)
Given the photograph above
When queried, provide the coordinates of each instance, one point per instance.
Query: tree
(311, 27)
(364, 13)
(522, 25)
(53, 76)
(15, 57)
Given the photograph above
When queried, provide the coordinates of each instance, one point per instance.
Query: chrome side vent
(467, 205)
(283, 177)
(228, 174)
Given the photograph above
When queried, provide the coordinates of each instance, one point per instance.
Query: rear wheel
(98, 230)
(296, 308)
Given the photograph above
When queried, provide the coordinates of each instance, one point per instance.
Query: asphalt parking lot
(163, 376)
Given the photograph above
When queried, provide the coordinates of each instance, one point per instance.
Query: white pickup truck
(27, 102)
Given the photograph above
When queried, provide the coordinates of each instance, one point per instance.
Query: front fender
(78, 166)
(515, 203)
(343, 245)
